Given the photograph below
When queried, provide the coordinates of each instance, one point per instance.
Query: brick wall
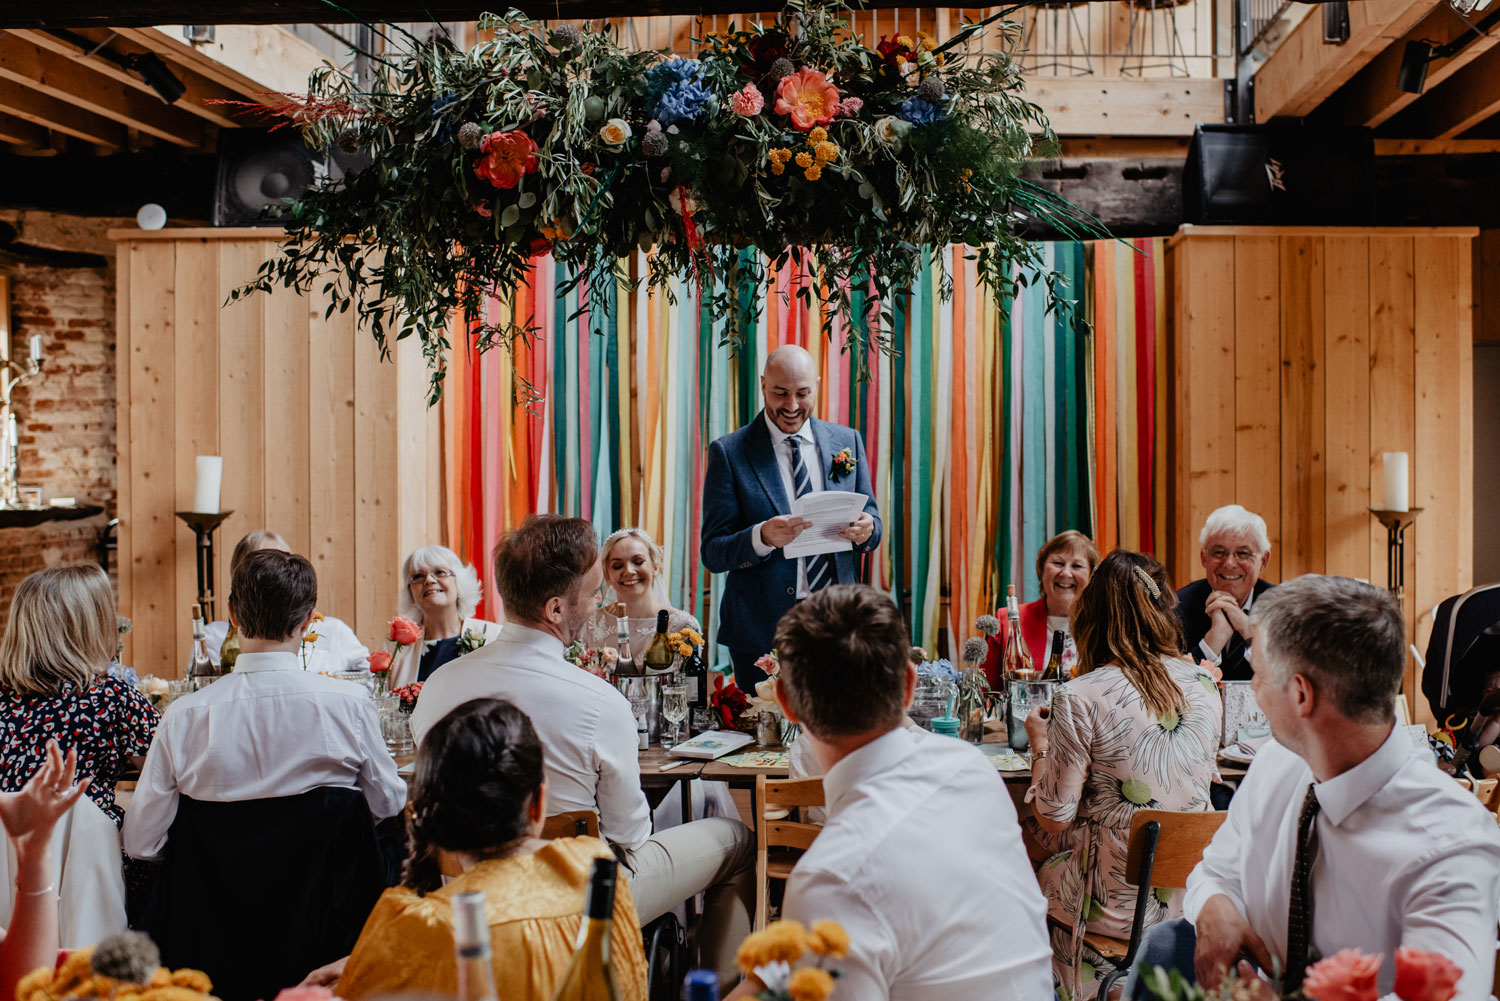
(67, 414)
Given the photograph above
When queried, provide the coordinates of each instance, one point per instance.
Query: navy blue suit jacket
(742, 488)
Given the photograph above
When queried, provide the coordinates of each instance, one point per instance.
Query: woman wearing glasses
(440, 594)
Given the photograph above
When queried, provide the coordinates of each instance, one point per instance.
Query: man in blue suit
(753, 475)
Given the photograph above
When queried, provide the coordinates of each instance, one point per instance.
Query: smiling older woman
(439, 593)
(1064, 564)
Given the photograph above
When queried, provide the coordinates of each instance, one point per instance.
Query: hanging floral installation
(779, 139)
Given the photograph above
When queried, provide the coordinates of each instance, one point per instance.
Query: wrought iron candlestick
(203, 526)
(1396, 523)
(10, 446)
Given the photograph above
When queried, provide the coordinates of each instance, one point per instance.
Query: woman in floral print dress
(1137, 728)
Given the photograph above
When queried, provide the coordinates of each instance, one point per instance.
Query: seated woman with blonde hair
(635, 589)
(1136, 729)
(439, 593)
(478, 803)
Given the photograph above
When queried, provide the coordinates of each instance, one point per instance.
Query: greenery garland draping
(782, 135)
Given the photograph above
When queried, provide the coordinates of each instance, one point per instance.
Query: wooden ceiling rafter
(1466, 99)
(61, 116)
(19, 132)
(29, 65)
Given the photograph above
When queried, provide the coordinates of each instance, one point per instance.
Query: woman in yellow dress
(477, 811)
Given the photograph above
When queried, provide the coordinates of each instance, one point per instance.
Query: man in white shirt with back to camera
(548, 574)
(268, 729)
(921, 860)
(1343, 835)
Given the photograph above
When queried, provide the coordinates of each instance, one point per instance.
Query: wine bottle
(622, 639)
(658, 656)
(591, 974)
(471, 948)
(1054, 670)
(200, 666)
(695, 673)
(701, 985)
(1016, 661)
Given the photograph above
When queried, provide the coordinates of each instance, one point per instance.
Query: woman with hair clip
(478, 803)
(635, 588)
(1137, 728)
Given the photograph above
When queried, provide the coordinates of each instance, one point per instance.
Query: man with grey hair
(1343, 834)
(1214, 611)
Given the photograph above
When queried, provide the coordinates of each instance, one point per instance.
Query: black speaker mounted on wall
(1285, 175)
(259, 170)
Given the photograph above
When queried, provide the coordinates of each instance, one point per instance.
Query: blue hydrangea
(942, 669)
(123, 673)
(676, 91)
(920, 111)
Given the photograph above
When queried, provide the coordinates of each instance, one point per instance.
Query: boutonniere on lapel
(843, 463)
(470, 640)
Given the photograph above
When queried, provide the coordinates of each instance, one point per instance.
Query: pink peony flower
(405, 631)
(380, 661)
(768, 663)
(747, 102)
(1425, 976)
(808, 97)
(508, 157)
(851, 106)
(1347, 975)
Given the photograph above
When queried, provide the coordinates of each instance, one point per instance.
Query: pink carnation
(747, 102)
(851, 106)
(1425, 976)
(1347, 975)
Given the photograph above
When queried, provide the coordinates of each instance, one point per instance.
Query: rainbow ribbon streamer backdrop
(990, 430)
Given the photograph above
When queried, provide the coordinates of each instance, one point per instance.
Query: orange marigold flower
(808, 97)
(810, 984)
(778, 167)
(827, 151)
(804, 160)
(817, 135)
(828, 938)
(813, 173)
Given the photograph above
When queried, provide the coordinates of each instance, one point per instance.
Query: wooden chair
(574, 824)
(1164, 847)
(1484, 790)
(779, 842)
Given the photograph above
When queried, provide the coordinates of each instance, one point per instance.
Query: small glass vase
(381, 684)
(973, 700)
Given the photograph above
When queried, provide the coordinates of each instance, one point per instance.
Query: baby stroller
(1461, 675)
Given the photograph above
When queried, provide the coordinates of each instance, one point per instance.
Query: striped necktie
(1299, 913)
(818, 576)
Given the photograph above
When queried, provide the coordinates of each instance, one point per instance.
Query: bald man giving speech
(753, 476)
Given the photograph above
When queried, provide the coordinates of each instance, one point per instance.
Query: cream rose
(892, 131)
(615, 132)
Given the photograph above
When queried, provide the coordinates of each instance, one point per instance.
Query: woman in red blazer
(1064, 565)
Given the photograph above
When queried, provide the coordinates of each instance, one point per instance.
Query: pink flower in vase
(1425, 976)
(1347, 975)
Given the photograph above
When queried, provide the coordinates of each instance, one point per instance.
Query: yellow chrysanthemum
(813, 173)
(780, 940)
(193, 980)
(828, 938)
(926, 41)
(810, 984)
(781, 155)
(804, 160)
(817, 135)
(826, 151)
(310, 638)
(904, 40)
(37, 980)
(777, 167)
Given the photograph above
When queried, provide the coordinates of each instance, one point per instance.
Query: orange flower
(810, 984)
(809, 97)
(508, 157)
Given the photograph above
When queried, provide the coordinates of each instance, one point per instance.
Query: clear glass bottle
(471, 948)
(591, 974)
(199, 664)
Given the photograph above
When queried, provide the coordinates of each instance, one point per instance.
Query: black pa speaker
(258, 170)
(1283, 175)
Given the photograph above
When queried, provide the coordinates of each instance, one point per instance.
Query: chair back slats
(795, 792)
(780, 833)
(1179, 844)
(789, 834)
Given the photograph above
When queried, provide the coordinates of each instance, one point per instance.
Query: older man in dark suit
(1215, 611)
(753, 476)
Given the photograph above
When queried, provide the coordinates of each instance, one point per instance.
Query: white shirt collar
(879, 755)
(248, 663)
(1343, 794)
(778, 436)
(514, 632)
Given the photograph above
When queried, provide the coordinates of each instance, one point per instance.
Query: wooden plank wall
(1299, 356)
(322, 441)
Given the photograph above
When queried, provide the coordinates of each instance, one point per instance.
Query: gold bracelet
(36, 893)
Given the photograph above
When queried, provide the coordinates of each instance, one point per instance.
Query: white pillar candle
(1396, 469)
(206, 490)
(36, 347)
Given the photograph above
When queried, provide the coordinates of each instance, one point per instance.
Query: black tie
(1299, 913)
(817, 566)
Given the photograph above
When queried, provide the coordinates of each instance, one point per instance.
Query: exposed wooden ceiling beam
(57, 76)
(21, 133)
(192, 101)
(1435, 147)
(1466, 99)
(1303, 72)
(258, 61)
(1372, 96)
(1091, 106)
(60, 116)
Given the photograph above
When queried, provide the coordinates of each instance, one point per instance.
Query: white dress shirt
(266, 730)
(1405, 857)
(585, 725)
(814, 464)
(335, 649)
(922, 863)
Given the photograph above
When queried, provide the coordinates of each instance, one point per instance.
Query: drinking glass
(395, 727)
(177, 688)
(674, 706)
(386, 703)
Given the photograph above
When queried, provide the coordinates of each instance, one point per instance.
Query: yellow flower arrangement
(813, 173)
(780, 941)
(779, 158)
(826, 151)
(817, 135)
(810, 984)
(803, 160)
(828, 938)
(768, 956)
(76, 978)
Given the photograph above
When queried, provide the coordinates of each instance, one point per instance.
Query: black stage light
(1412, 76)
(155, 73)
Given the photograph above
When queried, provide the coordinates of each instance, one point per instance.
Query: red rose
(405, 631)
(508, 157)
(380, 662)
(1425, 976)
(1347, 975)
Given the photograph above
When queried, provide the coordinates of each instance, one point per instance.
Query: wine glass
(674, 706)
